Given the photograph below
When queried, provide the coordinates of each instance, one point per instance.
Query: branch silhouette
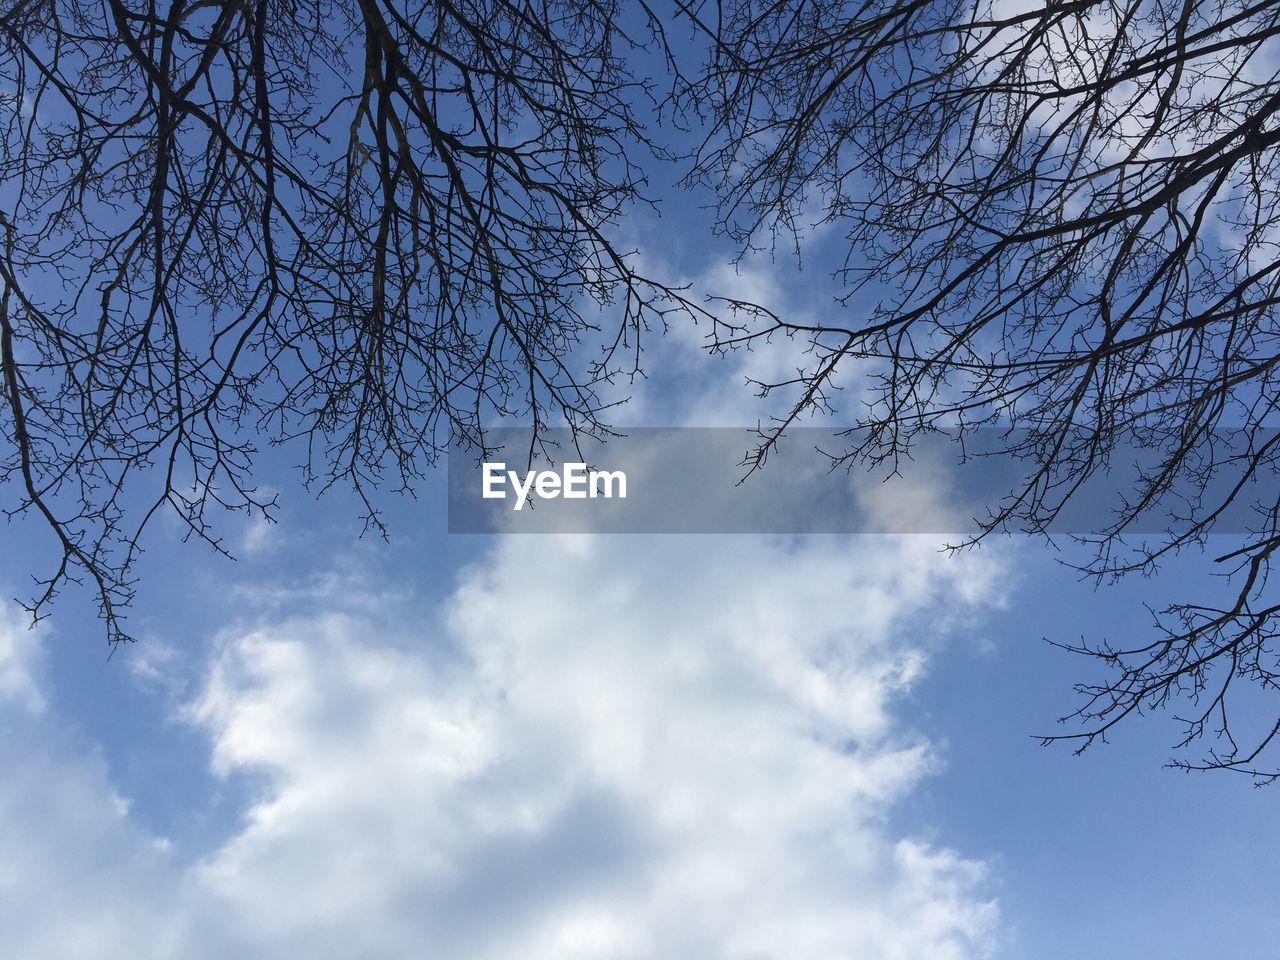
(367, 228)
(1061, 222)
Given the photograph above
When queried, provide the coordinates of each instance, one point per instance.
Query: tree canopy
(373, 228)
(1061, 222)
(366, 227)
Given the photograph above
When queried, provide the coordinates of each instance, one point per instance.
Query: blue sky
(647, 746)
(601, 747)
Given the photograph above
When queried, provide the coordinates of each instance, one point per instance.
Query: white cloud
(258, 536)
(608, 748)
(78, 879)
(19, 656)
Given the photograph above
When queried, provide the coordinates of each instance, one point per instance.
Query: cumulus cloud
(78, 878)
(602, 748)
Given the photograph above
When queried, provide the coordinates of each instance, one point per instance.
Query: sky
(729, 747)
(601, 746)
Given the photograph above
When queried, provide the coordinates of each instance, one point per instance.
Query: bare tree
(1062, 222)
(365, 227)
(371, 228)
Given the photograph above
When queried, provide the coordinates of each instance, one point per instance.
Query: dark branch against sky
(371, 230)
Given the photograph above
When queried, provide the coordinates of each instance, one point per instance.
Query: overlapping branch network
(368, 227)
(1062, 221)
